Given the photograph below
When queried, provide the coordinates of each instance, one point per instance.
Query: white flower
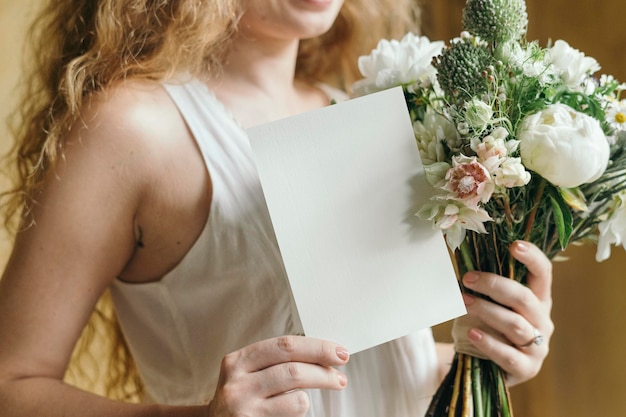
(493, 147)
(431, 134)
(511, 52)
(566, 147)
(469, 181)
(606, 79)
(613, 230)
(463, 128)
(511, 173)
(572, 65)
(454, 219)
(493, 153)
(529, 59)
(616, 114)
(396, 62)
(478, 114)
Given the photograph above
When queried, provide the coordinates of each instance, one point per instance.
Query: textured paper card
(342, 184)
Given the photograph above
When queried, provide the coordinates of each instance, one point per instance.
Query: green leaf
(562, 218)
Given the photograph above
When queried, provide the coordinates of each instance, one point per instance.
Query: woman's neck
(265, 66)
(257, 82)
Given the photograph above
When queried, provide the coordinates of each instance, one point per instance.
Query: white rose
(571, 64)
(566, 147)
(396, 62)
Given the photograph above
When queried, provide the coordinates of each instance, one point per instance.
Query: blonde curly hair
(82, 47)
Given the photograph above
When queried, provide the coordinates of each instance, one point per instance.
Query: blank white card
(343, 184)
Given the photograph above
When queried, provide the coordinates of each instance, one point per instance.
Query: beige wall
(585, 374)
(13, 17)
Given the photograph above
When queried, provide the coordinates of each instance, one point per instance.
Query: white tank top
(231, 290)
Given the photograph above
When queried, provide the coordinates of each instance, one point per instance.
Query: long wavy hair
(80, 47)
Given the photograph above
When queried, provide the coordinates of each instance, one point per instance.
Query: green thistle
(496, 21)
(462, 68)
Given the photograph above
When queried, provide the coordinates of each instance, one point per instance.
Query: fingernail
(342, 353)
(343, 380)
(467, 299)
(521, 246)
(470, 278)
(475, 335)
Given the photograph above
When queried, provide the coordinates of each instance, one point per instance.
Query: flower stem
(477, 386)
(457, 386)
(466, 255)
(468, 405)
(503, 392)
(497, 252)
(533, 213)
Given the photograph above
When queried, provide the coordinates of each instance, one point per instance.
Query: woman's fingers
(289, 404)
(508, 293)
(283, 349)
(519, 366)
(288, 376)
(515, 328)
(266, 378)
(539, 278)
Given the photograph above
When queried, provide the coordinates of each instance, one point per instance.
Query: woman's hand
(517, 337)
(267, 378)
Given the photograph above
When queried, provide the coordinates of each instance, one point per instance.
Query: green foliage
(562, 217)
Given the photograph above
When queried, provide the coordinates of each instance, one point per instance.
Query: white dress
(231, 290)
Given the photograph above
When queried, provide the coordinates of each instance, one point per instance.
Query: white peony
(572, 65)
(394, 63)
(566, 147)
(613, 230)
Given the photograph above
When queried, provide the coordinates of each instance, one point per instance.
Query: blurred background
(585, 374)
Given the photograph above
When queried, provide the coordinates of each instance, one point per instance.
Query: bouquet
(519, 141)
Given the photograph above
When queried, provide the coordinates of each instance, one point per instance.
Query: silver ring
(536, 340)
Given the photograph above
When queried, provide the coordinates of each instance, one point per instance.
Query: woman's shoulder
(133, 116)
(135, 125)
(137, 107)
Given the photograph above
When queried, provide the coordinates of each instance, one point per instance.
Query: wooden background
(585, 374)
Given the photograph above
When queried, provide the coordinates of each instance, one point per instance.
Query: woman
(135, 176)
